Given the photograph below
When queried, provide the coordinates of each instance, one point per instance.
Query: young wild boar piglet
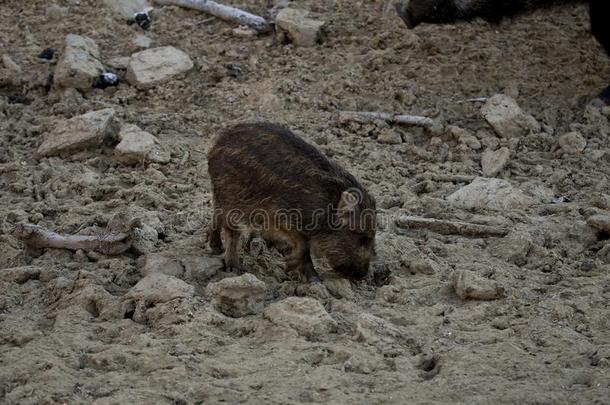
(269, 181)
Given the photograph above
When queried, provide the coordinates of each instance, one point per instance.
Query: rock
(201, 268)
(79, 65)
(600, 222)
(10, 64)
(572, 142)
(55, 12)
(467, 285)
(243, 31)
(11, 75)
(127, 8)
(238, 296)
(19, 275)
(305, 315)
(158, 65)
(419, 265)
(384, 335)
(142, 41)
(83, 131)
(119, 62)
(300, 30)
(339, 287)
(513, 248)
(494, 161)
(137, 146)
(157, 263)
(496, 194)
(389, 136)
(157, 288)
(464, 137)
(507, 119)
(144, 239)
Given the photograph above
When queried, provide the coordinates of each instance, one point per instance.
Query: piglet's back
(266, 164)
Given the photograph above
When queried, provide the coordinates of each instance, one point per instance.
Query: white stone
(79, 64)
(156, 288)
(490, 193)
(305, 315)
(389, 136)
(158, 263)
(137, 146)
(468, 284)
(238, 296)
(383, 334)
(494, 161)
(142, 41)
(119, 62)
(506, 117)
(158, 65)
(80, 132)
(572, 142)
(127, 8)
(301, 30)
(600, 221)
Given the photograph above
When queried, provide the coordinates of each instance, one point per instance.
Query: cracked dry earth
(151, 326)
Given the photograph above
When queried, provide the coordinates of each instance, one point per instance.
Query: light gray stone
(305, 315)
(158, 65)
(490, 193)
(158, 263)
(80, 132)
(469, 285)
(127, 8)
(79, 64)
(298, 27)
(157, 288)
(494, 161)
(506, 117)
(572, 142)
(137, 146)
(238, 296)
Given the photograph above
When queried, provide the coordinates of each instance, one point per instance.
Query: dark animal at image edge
(266, 169)
(415, 12)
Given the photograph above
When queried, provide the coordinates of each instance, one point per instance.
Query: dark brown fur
(261, 172)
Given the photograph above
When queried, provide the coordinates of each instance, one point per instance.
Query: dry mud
(68, 336)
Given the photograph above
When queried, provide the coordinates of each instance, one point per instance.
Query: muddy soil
(67, 336)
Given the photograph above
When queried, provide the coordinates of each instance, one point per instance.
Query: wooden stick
(450, 227)
(37, 237)
(370, 116)
(227, 13)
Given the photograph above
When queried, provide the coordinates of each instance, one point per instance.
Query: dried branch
(221, 11)
(370, 116)
(37, 237)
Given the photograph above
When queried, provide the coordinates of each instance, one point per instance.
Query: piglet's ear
(348, 203)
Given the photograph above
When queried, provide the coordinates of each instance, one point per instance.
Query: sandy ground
(546, 341)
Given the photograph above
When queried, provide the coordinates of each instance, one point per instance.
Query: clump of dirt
(81, 326)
